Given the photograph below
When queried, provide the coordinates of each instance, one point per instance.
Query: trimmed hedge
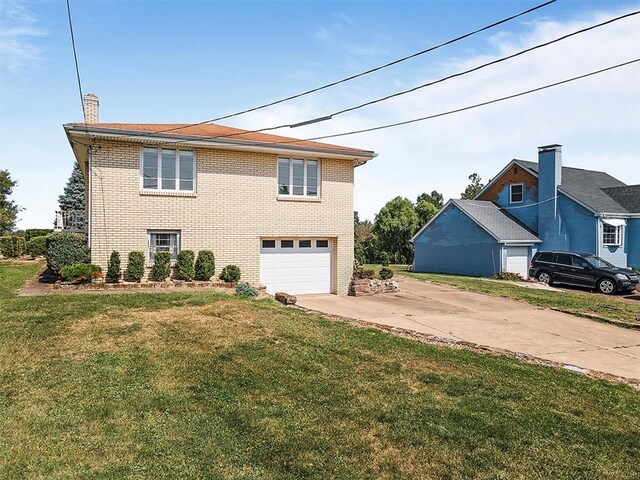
(12, 246)
(185, 268)
(66, 249)
(205, 265)
(161, 269)
(30, 233)
(81, 272)
(230, 274)
(113, 268)
(245, 290)
(135, 266)
(37, 246)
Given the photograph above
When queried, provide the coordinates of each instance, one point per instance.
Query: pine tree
(73, 196)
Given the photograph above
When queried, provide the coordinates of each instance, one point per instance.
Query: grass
(207, 385)
(581, 302)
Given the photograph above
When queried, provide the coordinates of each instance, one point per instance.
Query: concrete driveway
(494, 322)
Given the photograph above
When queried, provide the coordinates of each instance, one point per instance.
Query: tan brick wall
(235, 205)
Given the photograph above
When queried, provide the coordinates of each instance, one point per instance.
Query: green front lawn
(207, 385)
(582, 302)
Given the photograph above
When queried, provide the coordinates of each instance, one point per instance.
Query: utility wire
(366, 72)
(404, 92)
(75, 58)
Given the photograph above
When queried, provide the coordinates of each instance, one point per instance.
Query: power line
(75, 58)
(361, 74)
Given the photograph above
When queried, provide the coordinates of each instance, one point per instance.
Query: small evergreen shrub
(113, 268)
(161, 269)
(80, 272)
(230, 274)
(385, 273)
(384, 259)
(30, 233)
(361, 273)
(12, 246)
(205, 265)
(66, 249)
(245, 290)
(135, 266)
(185, 269)
(37, 246)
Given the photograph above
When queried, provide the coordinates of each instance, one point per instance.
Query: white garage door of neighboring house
(518, 261)
(296, 266)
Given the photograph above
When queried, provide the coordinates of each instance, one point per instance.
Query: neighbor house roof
(628, 197)
(587, 187)
(219, 134)
(494, 220)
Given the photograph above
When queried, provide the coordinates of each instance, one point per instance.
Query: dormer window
(516, 193)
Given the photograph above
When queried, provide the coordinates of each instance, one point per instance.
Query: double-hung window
(164, 241)
(298, 177)
(611, 234)
(516, 193)
(168, 169)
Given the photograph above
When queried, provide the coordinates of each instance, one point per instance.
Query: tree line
(387, 238)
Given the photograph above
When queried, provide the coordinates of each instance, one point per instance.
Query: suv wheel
(545, 277)
(606, 286)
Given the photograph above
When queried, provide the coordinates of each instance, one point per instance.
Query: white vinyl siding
(298, 177)
(168, 169)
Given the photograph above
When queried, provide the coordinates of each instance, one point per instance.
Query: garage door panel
(518, 261)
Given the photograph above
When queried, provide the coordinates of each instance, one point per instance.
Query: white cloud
(596, 119)
(18, 28)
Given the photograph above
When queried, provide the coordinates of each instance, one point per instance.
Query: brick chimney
(91, 105)
(549, 179)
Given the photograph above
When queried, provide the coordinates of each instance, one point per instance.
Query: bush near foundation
(245, 290)
(65, 249)
(230, 274)
(135, 266)
(205, 265)
(113, 268)
(81, 272)
(161, 269)
(185, 268)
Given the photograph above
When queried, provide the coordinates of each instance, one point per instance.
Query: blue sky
(188, 61)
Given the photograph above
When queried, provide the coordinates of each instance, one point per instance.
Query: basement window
(163, 241)
(516, 194)
(167, 169)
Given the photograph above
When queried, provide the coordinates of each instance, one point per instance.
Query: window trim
(304, 195)
(617, 235)
(521, 185)
(176, 190)
(166, 232)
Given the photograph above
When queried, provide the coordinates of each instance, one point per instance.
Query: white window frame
(617, 234)
(177, 177)
(151, 252)
(304, 178)
(511, 192)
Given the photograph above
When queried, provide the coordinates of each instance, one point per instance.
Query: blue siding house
(529, 207)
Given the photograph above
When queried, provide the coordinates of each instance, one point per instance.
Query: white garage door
(296, 266)
(518, 261)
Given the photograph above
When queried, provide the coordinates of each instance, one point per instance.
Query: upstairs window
(298, 177)
(516, 193)
(611, 234)
(168, 169)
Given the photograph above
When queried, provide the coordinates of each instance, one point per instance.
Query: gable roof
(496, 221)
(586, 186)
(628, 197)
(212, 134)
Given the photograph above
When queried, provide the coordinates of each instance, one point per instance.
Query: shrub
(245, 290)
(80, 272)
(361, 273)
(37, 246)
(205, 265)
(113, 268)
(512, 277)
(184, 265)
(66, 249)
(230, 274)
(385, 273)
(12, 246)
(135, 266)
(161, 269)
(30, 233)
(384, 259)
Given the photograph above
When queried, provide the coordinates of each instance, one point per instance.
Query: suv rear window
(545, 257)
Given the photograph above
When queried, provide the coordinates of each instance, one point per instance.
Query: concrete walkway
(493, 322)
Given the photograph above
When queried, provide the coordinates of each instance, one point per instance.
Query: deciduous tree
(8, 208)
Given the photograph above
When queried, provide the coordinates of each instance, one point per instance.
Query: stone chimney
(91, 105)
(549, 179)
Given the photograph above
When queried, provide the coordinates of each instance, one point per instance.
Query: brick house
(280, 209)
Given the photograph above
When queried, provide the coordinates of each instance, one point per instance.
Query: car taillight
(531, 264)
